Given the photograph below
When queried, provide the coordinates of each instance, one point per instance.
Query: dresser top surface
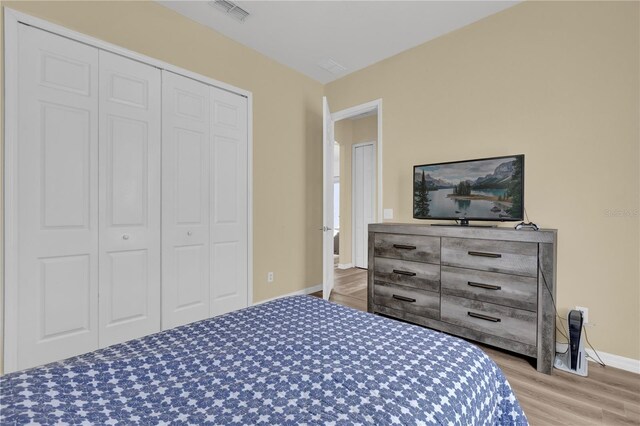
(456, 231)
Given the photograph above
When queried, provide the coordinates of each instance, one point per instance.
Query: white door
(129, 199)
(57, 176)
(228, 201)
(186, 125)
(327, 199)
(363, 207)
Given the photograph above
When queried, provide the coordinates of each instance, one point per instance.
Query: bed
(295, 360)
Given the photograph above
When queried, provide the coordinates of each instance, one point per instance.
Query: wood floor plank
(616, 378)
(541, 414)
(583, 391)
(580, 410)
(349, 301)
(610, 418)
(632, 411)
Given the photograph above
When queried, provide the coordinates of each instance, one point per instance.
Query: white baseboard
(345, 265)
(611, 360)
(307, 290)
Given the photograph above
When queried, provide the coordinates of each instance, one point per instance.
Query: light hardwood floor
(609, 396)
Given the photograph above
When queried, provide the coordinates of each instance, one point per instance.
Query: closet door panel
(128, 288)
(363, 200)
(229, 202)
(358, 207)
(185, 200)
(57, 174)
(130, 149)
(127, 171)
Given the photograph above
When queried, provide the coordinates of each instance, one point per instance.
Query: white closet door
(57, 198)
(186, 124)
(129, 199)
(229, 202)
(363, 200)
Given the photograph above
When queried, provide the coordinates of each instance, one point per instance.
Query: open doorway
(357, 137)
(352, 196)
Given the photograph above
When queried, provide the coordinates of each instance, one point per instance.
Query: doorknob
(189, 233)
(325, 229)
(125, 236)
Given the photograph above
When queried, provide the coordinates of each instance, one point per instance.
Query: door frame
(328, 152)
(353, 210)
(12, 19)
(367, 107)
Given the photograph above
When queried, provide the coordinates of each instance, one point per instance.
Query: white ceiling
(355, 34)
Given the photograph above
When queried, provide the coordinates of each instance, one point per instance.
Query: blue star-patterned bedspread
(296, 360)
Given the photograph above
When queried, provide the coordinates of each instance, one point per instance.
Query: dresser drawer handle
(485, 286)
(404, 247)
(407, 273)
(484, 254)
(483, 317)
(404, 299)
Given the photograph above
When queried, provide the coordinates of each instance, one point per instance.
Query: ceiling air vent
(332, 66)
(231, 9)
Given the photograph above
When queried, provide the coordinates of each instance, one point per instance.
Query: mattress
(296, 360)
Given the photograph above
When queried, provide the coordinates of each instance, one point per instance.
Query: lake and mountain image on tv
(484, 189)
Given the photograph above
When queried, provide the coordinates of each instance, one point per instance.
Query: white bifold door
(131, 201)
(130, 144)
(186, 125)
(88, 198)
(228, 201)
(204, 207)
(57, 212)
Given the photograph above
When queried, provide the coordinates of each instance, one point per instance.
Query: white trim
(379, 216)
(304, 291)
(11, 20)
(353, 210)
(10, 191)
(375, 105)
(345, 265)
(249, 199)
(356, 110)
(610, 360)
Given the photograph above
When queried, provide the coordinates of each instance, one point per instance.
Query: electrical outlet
(585, 314)
(269, 277)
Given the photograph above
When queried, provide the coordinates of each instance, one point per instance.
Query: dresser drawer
(510, 290)
(408, 247)
(508, 257)
(513, 324)
(418, 302)
(423, 276)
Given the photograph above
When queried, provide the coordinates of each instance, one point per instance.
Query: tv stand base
(465, 224)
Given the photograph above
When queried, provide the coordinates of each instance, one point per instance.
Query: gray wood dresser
(491, 285)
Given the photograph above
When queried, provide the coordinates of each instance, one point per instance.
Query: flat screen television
(482, 189)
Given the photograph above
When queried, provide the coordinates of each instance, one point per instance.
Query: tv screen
(483, 189)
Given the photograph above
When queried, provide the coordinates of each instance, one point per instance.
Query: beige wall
(558, 82)
(348, 133)
(287, 120)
